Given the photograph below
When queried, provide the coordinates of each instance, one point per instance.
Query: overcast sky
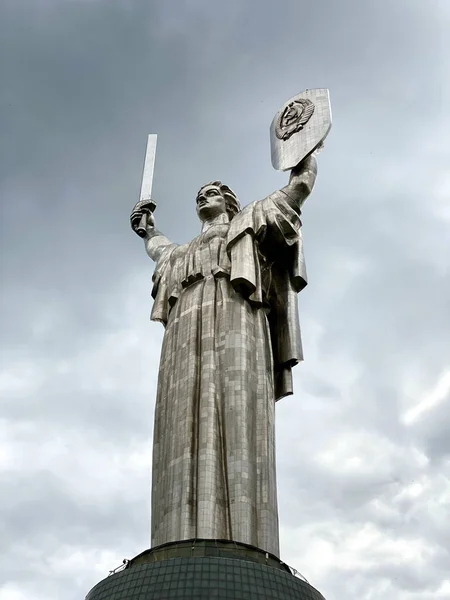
(364, 444)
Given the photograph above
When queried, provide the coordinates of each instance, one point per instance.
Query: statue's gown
(228, 301)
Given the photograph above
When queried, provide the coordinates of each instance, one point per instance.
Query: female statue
(228, 302)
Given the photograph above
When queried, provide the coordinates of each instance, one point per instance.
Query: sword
(146, 187)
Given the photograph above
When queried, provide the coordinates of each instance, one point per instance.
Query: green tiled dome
(203, 578)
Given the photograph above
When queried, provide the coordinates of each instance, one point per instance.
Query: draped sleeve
(268, 233)
(161, 279)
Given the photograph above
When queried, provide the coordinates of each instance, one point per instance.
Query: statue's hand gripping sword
(145, 201)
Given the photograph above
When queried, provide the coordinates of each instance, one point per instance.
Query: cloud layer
(363, 445)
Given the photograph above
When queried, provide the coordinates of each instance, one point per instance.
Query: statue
(228, 302)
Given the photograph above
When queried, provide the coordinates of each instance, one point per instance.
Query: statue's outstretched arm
(301, 181)
(156, 243)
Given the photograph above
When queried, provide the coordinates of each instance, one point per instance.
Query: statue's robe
(228, 301)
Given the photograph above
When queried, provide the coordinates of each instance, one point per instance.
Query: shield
(299, 128)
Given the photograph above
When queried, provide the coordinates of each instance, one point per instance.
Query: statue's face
(210, 202)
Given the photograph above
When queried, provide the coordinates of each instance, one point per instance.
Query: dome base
(204, 570)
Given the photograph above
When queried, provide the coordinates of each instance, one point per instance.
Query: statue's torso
(204, 256)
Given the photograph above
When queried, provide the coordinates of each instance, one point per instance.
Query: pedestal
(204, 570)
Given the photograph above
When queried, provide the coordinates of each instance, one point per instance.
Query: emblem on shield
(299, 128)
(293, 118)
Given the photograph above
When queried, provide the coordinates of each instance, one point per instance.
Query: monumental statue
(228, 303)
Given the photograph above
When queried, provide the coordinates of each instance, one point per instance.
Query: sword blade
(149, 165)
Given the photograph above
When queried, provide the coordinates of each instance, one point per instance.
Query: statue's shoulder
(180, 250)
(255, 209)
(243, 217)
(248, 221)
(257, 216)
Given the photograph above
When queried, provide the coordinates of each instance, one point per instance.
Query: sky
(363, 446)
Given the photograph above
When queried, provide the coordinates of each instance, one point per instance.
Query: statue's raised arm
(301, 181)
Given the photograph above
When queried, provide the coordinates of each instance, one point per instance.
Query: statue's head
(215, 198)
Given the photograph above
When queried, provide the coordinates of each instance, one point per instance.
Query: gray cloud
(363, 450)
